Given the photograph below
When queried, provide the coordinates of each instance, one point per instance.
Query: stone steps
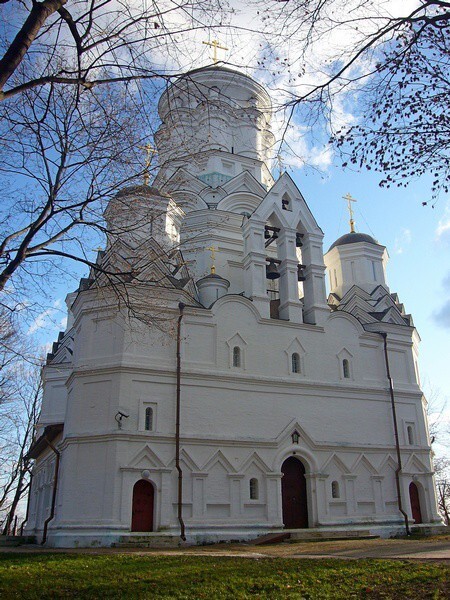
(428, 530)
(148, 541)
(271, 538)
(313, 535)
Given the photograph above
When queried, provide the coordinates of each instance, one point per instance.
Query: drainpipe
(177, 428)
(55, 487)
(397, 445)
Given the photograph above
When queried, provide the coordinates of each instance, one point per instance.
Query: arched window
(335, 489)
(254, 492)
(346, 368)
(236, 356)
(295, 363)
(148, 418)
(410, 433)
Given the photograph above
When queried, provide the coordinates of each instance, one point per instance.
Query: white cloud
(443, 226)
(403, 240)
(44, 319)
(268, 42)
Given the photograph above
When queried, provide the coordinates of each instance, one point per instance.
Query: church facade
(206, 386)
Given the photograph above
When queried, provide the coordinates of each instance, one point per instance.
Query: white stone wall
(237, 421)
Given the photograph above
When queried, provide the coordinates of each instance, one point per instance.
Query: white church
(207, 388)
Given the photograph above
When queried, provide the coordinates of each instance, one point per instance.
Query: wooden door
(293, 492)
(143, 503)
(415, 503)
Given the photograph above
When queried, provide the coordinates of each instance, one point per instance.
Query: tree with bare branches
(78, 86)
(379, 79)
(87, 44)
(18, 419)
(20, 392)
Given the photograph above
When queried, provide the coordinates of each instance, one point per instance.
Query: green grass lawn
(134, 576)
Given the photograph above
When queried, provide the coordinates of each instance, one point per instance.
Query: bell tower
(283, 243)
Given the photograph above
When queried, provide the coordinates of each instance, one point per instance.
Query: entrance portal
(293, 493)
(415, 503)
(143, 502)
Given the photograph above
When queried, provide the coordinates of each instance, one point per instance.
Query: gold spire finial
(215, 44)
(150, 151)
(213, 257)
(350, 210)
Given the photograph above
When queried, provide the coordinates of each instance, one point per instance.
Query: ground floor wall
(231, 489)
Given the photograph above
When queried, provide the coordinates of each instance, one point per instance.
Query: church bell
(301, 273)
(272, 271)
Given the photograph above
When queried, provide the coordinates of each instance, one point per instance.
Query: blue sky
(418, 244)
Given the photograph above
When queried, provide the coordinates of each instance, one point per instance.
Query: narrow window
(335, 278)
(236, 356)
(374, 273)
(149, 418)
(346, 368)
(295, 363)
(335, 489)
(410, 433)
(254, 489)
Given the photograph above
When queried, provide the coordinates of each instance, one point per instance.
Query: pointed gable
(145, 459)
(186, 190)
(299, 211)
(243, 194)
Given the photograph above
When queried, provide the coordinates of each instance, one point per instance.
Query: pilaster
(255, 266)
(199, 495)
(291, 307)
(350, 493)
(315, 303)
(377, 481)
(166, 499)
(273, 495)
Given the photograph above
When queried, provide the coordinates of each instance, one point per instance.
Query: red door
(142, 511)
(415, 503)
(293, 493)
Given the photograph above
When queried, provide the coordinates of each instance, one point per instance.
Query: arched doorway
(293, 494)
(415, 503)
(143, 503)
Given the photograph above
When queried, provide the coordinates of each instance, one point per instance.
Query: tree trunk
(15, 502)
(40, 12)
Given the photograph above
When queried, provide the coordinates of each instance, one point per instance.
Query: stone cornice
(205, 440)
(234, 380)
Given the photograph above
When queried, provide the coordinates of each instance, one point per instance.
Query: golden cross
(213, 256)
(350, 210)
(215, 44)
(150, 151)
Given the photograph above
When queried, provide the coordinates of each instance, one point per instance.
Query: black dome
(352, 238)
(145, 190)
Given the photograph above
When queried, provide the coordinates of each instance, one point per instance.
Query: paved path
(436, 549)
